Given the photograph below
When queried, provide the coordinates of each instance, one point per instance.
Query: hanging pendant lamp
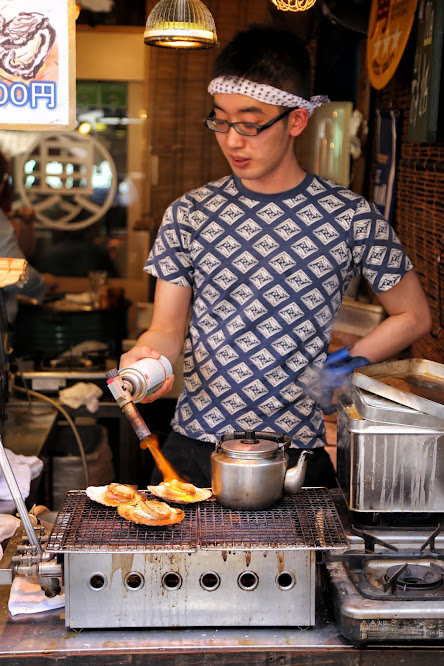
(180, 24)
(293, 5)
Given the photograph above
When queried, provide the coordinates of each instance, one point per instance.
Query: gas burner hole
(97, 582)
(416, 577)
(134, 581)
(248, 581)
(285, 580)
(171, 580)
(210, 580)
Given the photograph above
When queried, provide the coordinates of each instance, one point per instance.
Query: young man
(264, 256)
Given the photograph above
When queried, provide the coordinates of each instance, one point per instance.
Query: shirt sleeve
(34, 284)
(170, 258)
(377, 251)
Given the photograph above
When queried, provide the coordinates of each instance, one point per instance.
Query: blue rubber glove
(338, 366)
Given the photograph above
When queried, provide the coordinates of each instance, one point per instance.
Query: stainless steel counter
(26, 427)
(43, 637)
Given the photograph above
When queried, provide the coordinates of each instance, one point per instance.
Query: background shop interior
(143, 107)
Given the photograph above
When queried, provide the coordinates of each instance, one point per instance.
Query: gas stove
(390, 585)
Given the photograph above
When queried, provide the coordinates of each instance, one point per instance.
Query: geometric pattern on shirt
(268, 273)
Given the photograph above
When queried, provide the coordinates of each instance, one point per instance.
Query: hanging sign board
(37, 64)
(424, 106)
(386, 131)
(389, 28)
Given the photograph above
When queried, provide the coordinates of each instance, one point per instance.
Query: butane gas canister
(146, 376)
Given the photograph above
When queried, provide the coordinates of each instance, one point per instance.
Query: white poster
(37, 64)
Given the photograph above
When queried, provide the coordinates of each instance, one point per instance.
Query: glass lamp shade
(293, 5)
(180, 24)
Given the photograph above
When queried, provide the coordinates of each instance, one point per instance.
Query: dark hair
(270, 55)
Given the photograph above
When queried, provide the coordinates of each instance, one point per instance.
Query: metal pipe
(138, 424)
(18, 499)
(45, 570)
(50, 585)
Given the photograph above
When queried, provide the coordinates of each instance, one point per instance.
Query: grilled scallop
(114, 494)
(151, 512)
(180, 492)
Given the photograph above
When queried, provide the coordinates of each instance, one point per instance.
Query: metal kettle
(249, 470)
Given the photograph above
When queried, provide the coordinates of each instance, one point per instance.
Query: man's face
(262, 162)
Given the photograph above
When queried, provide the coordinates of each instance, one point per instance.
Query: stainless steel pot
(389, 467)
(249, 470)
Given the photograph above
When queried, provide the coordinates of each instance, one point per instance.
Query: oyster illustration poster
(37, 64)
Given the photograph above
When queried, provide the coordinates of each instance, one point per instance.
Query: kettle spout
(294, 478)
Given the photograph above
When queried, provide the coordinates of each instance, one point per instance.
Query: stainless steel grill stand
(217, 567)
(34, 560)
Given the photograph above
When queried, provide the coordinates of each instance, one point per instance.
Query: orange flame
(167, 470)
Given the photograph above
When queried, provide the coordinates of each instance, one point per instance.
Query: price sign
(37, 64)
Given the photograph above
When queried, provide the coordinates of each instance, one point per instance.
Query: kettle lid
(248, 444)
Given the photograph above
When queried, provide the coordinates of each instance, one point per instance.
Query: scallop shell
(151, 512)
(99, 494)
(181, 493)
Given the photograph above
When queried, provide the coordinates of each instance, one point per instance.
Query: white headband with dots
(264, 93)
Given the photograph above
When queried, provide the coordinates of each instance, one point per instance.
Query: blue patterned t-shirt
(268, 274)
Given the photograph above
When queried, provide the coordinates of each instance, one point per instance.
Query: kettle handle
(277, 437)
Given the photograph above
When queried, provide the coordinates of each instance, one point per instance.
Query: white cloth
(28, 597)
(25, 468)
(8, 526)
(83, 298)
(264, 93)
(82, 393)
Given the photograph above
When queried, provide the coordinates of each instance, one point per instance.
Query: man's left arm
(409, 319)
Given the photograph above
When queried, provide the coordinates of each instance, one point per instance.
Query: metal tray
(376, 408)
(415, 383)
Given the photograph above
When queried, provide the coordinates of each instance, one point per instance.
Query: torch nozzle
(137, 423)
(121, 389)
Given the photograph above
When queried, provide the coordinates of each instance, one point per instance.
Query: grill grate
(88, 526)
(308, 520)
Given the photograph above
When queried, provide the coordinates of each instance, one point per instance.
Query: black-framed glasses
(247, 129)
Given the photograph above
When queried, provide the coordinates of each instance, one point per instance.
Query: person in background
(75, 253)
(263, 256)
(17, 240)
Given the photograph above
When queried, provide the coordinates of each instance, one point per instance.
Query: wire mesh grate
(84, 525)
(306, 520)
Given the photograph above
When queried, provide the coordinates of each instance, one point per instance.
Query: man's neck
(279, 182)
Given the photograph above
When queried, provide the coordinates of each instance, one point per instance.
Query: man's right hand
(136, 354)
